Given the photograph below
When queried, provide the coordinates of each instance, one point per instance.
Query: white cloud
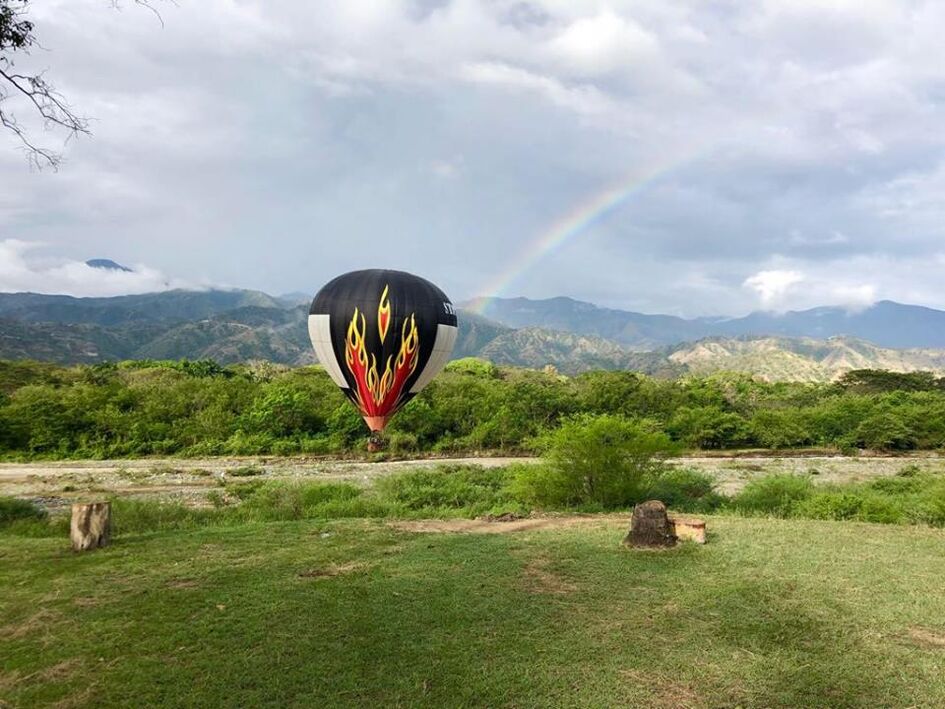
(602, 44)
(272, 143)
(773, 285)
(18, 273)
(584, 99)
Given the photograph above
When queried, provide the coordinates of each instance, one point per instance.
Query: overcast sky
(785, 154)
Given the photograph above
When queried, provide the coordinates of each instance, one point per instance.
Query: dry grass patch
(540, 579)
(333, 570)
(664, 691)
(38, 623)
(503, 526)
(923, 637)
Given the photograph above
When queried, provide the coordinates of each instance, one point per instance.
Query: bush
(930, 505)
(773, 495)
(884, 432)
(245, 471)
(13, 509)
(447, 487)
(607, 460)
(283, 501)
(137, 516)
(830, 505)
(855, 503)
(685, 489)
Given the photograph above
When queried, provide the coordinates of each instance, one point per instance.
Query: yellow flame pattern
(383, 315)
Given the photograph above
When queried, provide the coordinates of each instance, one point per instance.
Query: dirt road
(189, 480)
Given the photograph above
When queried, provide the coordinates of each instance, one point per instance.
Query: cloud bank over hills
(21, 272)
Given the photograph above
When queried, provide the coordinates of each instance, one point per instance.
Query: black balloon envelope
(382, 336)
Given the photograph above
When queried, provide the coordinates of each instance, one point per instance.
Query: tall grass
(472, 491)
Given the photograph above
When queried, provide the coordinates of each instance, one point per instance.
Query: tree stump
(688, 528)
(91, 526)
(650, 526)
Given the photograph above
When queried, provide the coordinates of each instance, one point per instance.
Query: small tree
(606, 460)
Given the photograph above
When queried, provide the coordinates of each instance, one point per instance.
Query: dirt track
(189, 480)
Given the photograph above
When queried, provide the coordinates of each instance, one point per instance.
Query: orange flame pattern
(379, 395)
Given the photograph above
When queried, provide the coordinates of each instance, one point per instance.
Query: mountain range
(571, 335)
(886, 323)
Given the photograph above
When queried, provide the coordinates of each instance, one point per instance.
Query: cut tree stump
(688, 529)
(91, 526)
(650, 526)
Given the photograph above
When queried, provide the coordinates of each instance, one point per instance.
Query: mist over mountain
(573, 336)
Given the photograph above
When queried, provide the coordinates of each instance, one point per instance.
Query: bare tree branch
(16, 35)
(146, 4)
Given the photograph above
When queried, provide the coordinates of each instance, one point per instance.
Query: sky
(693, 158)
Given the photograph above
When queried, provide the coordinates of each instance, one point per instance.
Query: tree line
(144, 408)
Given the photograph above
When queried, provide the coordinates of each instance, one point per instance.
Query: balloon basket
(376, 443)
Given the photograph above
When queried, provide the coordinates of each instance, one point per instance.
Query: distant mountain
(107, 265)
(886, 323)
(165, 307)
(239, 325)
(570, 353)
(296, 298)
(475, 332)
(230, 326)
(800, 359)
(635, 330)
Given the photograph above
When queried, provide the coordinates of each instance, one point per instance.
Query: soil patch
(487, 526)
(539, 578)
(926, 638)
(332, 570)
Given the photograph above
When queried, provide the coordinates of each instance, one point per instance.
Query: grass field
(359, 612)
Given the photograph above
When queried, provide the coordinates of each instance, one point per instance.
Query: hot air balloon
(382, 336)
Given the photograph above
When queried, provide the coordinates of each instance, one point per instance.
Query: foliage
(775, 495)
(200, 408)
(602, 459)
(13, 509)
(685, 489)
(472, 489)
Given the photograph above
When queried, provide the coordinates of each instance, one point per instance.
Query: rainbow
(572, 224)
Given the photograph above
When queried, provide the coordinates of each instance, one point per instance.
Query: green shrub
(130, 516)
(884, 432)
(830, 505)
(908, 471)
(13, 509)
(451, 487)
(685, 489)
(539, 485)
(291, 500)
(897, 485)
(929, 506)
(245, 471)
(399, 443)
(882, 510)
(604, 459)
(773, 495)
(315, 445)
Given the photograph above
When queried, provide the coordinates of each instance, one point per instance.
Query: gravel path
(58, 483)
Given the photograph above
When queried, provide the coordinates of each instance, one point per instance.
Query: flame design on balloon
(383, 315)
(380, 394)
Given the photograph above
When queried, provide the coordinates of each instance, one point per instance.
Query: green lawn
(769, 613)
